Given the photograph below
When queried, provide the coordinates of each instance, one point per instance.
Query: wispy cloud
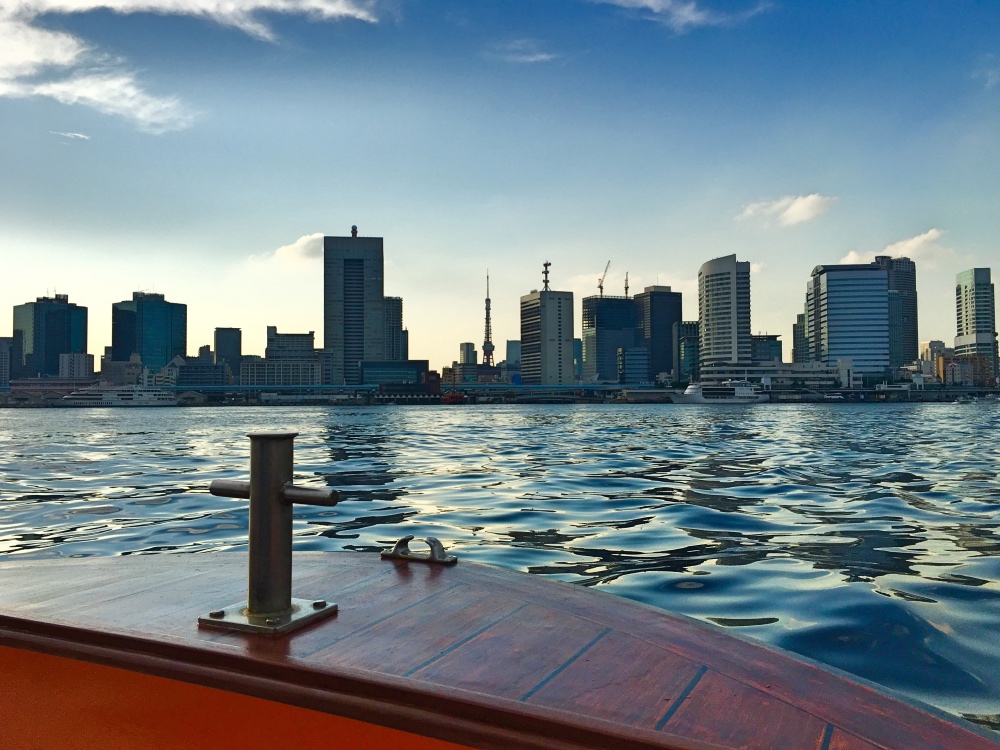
(790, 209)
(522, 51)
(683, 15)
(35, 61)
(71, 136)
(924, 249)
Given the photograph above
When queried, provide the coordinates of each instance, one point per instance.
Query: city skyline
(204, 155)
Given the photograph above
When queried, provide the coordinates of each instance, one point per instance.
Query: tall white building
(547, 337)
(353, 306)
(724, 311)
(975, 308)
(847, 317)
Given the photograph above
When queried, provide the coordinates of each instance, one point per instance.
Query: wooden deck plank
(515, 655)
(406, 643)
(855, 707)
(840, 740)
(620, 679)
(492, 635)
(734, 715)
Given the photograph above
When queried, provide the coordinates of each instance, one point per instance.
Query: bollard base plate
(236, 617)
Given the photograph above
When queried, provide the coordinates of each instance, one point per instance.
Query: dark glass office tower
(149, 326)
(903, 337)
(609, 324)
(659, 310)
(48, 327)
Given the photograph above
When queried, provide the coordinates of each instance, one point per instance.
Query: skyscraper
(800, 341)
(975, 308)
(394, 346)
(901, 277)
(547, 336)
(724, 311)
(149, 326)
(49, 326)
(609, 324)
(847, 317)
(353, 306)
(659, 309)
(229, 349)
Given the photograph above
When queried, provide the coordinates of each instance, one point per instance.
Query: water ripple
(862, 536)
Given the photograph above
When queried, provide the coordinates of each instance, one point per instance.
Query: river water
(866, 537)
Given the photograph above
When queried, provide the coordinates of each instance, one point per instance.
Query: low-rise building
(786, 376)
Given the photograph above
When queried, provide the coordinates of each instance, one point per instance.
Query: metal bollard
(269, 607)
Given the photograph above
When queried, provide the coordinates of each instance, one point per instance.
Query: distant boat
(453, 397)
(135, 395)
(729, 392)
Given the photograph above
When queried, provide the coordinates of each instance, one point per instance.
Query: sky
(192, 149)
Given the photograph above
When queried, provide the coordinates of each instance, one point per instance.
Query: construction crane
(626, 285)
(600, 281)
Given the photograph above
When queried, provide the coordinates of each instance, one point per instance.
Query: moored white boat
(729, 392)
(135, 395)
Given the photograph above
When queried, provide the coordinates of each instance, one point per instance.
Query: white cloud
(71, 136)
(681, 15)
(304, 250)
(35, 61)
(790, 209)
(521, 51)
(924, 249)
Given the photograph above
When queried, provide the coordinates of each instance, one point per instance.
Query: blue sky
(178, 147)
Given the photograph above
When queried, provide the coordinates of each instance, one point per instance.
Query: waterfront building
(229, 349)
(847, 317)
(263, 372)
(396, 339)
(765, 347)
(149, 326)
(901, 279)
(724, 311)
(121, 373)
(48, 327)
(785, 376)
(687, 339)
(975, 307)
(201, 371)
(510, 368)
(353, 306)
(577, 359)
(609, 324)
(10, 357)
(395, 372)
(800, 341)
(76, 366)
(966, 369)
(547, 336)
(290, 346)
(659, 310)
(633, 365)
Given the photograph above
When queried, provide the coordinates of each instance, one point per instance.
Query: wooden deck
(468, 654)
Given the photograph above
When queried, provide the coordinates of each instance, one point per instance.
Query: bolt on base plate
(235, 617)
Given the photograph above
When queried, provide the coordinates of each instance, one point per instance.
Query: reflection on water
(865, 537)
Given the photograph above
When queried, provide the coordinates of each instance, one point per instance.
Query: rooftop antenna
(600, 281)
(488, 338)
(626, 285)
(545, 273)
